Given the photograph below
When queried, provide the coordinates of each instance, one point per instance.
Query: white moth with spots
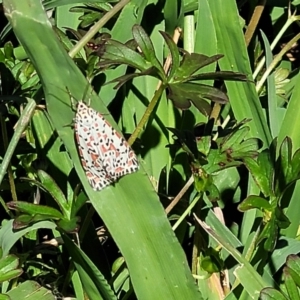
(104, 153)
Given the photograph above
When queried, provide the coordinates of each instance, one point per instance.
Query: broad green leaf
(271, 93)
(145, 44)
(9, 263)
(290, 284)
(115, 52)
(191, 63)
(8, 51)
(249, 282)
(9, 275)
(50, 185)
(256, 282)
(255, 202)
(284, 161)
(4, 297)
(270, 232)
(174, 52)
(286, 247)
(57, 3)
(8, 237)
(94, 283)
(204, 144)
(295, 276)
(295, 164)
(136, 102)
(293, 262)
(69, 225)
(130, 15)
(2, 57)
(128, 208)
(220, 75)
(34, 209)
(30, 290)
(246, 148)
(281, 219)
(9, 268)
(260, 171)
(23, 221)
(46, 138)
(231, 43)
(271, 294)
(213, 193)
(182, 94)
(235, 138)
(219, 161)
(221, 230)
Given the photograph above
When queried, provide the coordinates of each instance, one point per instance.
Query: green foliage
(178, 82)
(291, 282)
(9, 268)
(213, 120)
(32, 290)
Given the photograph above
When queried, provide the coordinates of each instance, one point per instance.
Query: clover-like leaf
(174, 52)
(191, 63)
(218, 161)
(182, 94)
(204, 144)
(114, 52)
(180, 80)
(94, 44)
(220, 75)
(90, 13)
(261, 171)
(145, 45)
(123, 79)
(247, 148)
(202, 179)
(235, 135)
(270, 233)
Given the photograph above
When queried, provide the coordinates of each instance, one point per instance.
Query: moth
(105, 154)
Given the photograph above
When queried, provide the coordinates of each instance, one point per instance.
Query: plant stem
(22, 124)
(147, 114)
(179, 195)
(275, 61)
(159, 90)
(254, 21)
(275, 42)
(9, 168)
(95, 29)
(187, 211)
